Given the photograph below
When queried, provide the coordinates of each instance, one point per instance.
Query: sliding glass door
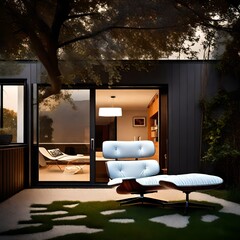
(70, 124)
(64, 129)
(135, 122)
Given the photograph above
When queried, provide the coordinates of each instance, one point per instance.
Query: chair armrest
(118, 181)
(151, 181)
(115, 181)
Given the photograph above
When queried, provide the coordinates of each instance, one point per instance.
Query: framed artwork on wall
(139, 121)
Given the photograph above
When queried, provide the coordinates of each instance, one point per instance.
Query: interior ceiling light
(110, 111)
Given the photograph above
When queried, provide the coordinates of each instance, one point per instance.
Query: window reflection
(64, 124)
(66, 120)
(13, 111)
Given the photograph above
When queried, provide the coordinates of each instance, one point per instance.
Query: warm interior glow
(110, 112)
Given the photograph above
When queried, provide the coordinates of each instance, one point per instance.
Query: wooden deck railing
(11, 170)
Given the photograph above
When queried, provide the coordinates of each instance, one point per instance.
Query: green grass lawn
(231, 194)
(225, 226)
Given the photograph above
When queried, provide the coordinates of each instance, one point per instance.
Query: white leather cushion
(194, 179)
(132, 169)
(128, 149)
(182, 180)
(117, 181)
(152, 181)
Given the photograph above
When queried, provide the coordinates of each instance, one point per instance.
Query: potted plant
(5, 136)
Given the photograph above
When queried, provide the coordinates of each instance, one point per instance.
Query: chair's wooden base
(132, 186)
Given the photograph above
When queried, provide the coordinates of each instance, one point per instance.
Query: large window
(12, 110)
(70, 122)
(65, 120)
(64, 124)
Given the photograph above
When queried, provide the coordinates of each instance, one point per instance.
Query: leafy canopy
(71, 37)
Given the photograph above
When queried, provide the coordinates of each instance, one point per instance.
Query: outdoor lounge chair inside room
(56, 156)
(143, 176)
(124, 173)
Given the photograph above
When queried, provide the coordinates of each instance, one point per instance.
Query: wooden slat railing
(11, 171)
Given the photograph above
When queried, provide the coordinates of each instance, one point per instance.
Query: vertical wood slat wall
(11, 171)
(184, 81)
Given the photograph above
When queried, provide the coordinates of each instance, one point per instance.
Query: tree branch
(61, 15)
(205, 21)
(107, 28)
(80, 15)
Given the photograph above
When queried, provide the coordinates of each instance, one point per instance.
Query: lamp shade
(110, 112)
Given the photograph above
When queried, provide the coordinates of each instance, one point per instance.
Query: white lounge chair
(125, 173)
(142, 176)
(56, 156)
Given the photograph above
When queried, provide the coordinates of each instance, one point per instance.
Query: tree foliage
(71, 37)
(221, 134)
(10, 121)
(46, 133)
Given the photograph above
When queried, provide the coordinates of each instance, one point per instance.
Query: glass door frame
(35, 141)
(92, 135)
(91, 182)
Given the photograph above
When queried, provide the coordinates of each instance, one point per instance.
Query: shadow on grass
(225, 226)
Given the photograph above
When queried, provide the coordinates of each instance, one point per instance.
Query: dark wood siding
(184, 81)
(11, 171)
(184, 117)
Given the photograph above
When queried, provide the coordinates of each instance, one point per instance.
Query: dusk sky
(10, 94)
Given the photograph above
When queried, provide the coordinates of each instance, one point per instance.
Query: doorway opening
(144, 117)
(64, 137)
(73, 127)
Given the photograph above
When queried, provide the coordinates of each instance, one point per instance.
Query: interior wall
(125, 129)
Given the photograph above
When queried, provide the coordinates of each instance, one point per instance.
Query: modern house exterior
(170, 116)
